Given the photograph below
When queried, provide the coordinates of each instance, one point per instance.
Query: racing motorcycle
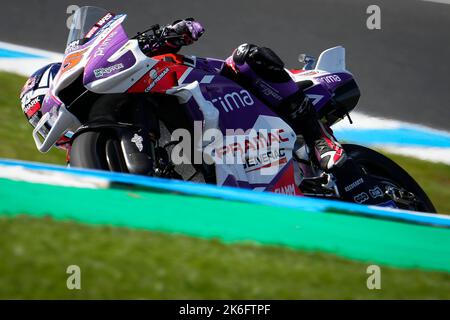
(114, 108)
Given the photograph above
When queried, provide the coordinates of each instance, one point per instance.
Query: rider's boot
(353, 184)
(301, 114)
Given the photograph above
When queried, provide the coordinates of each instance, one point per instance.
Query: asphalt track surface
(403, 69)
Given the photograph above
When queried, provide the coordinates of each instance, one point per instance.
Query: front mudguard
(136, 147)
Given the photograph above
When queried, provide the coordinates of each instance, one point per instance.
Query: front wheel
(399, 185)
(97, 150)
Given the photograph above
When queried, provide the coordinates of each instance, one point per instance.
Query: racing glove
(189, 30)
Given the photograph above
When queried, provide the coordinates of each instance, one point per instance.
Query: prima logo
(101, 48)
(234, 100)
(333, 78)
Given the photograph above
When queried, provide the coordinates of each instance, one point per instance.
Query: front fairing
(77, 55)
(115, 63)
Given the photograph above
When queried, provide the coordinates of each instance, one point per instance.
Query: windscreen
(83, 20)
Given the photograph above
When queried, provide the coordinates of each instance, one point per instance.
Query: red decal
(286, 183)
(91, 32)
(32, 107)
(160, 78)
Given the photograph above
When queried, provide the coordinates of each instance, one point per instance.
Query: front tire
(387, 171)
(97, 150)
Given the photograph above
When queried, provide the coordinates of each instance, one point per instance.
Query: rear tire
(380, 166)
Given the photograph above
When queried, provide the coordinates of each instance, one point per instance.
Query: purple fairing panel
(215, 65)
(50, 103)
(334, 80)
(238, 107)
(274, 92)
(321, 93)
(98, 66)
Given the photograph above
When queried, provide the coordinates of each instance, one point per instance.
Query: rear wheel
(398, 184)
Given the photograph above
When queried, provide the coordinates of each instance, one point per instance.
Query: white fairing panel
(123, 80)
(332, 60)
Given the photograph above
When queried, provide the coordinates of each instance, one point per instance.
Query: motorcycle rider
(260, 69)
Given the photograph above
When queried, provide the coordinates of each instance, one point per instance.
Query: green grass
(16, 141)
(434, 178)
(123, 263)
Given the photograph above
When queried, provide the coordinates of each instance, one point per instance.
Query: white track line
(439, 155)
(27, 66)
(438, 1)
(57, 178)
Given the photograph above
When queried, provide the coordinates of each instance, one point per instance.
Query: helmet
(34, 92)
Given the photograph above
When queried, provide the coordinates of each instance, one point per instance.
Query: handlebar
(157, 38)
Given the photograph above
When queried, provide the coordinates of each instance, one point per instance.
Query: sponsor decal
(157, 78)
(288, 189)
(309, 73)
(100, 72)
(153, 74)
(268, 90)
(137, 140)
(265, 159)
(361, 198)
(73, 46)
(71, 60)
(315, 98)
(332, 78)
(91, 32)
(32, 107)
(101, 48)
(254, 142)
(234, 100)
(376, 192)
(354, 184)
(105, 19)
